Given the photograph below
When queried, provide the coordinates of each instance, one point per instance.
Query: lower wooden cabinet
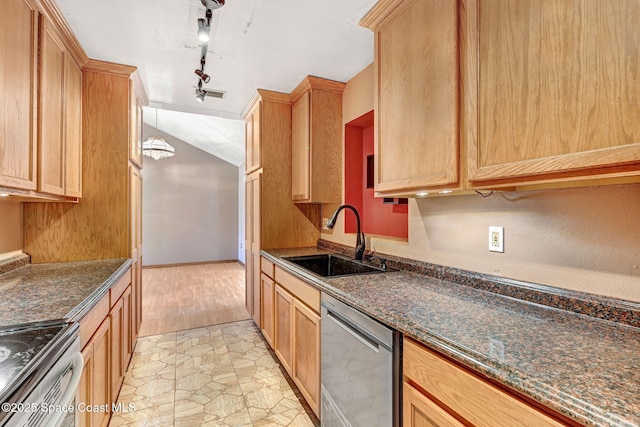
(266, 296)
(128, 327)
(107, 336)
(419, 410)
(306, 353)
(95, 384)
(283, 306)
(462, 397)
(117, 343)
(296, 336)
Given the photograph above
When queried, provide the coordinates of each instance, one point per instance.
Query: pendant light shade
(157, 148)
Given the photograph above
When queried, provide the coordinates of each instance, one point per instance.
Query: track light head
(204, 77)
(212, 4)
(203, 30)
(200, 94)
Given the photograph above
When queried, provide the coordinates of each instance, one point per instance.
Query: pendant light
(157, 148)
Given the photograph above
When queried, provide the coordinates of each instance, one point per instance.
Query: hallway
(213, 375)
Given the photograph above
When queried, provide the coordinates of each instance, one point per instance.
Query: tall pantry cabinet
(272, 219)
(105, 223)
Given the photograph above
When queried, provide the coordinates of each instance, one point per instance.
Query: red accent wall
(377, 217)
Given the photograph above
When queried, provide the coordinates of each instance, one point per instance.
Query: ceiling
(254, 44)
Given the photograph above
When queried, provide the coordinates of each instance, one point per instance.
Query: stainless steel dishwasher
(361, 369)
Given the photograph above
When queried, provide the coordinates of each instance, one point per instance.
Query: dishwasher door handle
(361, 334)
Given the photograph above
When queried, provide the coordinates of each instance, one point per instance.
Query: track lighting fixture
(200, 94)
(204, 77)
(203, 30)
(212, 4)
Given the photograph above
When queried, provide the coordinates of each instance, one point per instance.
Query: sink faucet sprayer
(360, 243)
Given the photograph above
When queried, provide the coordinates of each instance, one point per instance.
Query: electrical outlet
(496, 239)
(324, 223)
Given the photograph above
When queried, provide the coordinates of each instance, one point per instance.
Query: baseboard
(183, 264)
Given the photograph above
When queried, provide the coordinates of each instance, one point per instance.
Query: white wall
(190, 207)
(241, 212)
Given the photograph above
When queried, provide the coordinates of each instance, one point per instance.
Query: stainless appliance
(40, 369)
(361, 369)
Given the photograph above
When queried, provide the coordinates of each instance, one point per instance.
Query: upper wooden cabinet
(253, 159)
(135, 127)
(41, 145)
(73, 128)
(416, 95)
(547, 95)
(316, 141)
(553, 92)
(18, 94)
(51, 152)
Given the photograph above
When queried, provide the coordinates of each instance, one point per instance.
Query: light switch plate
(496, 239)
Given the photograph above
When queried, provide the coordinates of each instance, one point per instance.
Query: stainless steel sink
(329, 265)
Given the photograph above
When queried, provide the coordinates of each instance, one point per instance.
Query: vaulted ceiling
(254, 44)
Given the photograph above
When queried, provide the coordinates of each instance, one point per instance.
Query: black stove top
(23, 348)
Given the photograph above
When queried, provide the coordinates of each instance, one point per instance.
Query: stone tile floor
(221, 375)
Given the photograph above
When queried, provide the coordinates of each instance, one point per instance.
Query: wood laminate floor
(191, 296)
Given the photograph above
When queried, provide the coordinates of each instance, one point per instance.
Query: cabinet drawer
(119, 287)
(267, 267)
(91, 321)
(301, 290)
(467, 395)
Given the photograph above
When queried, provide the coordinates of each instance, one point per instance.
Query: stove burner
(19, 346)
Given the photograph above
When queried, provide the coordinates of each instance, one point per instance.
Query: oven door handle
(76, 374)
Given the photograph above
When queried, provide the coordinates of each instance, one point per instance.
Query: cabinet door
(137, 299)
(416, 102)
(51, 154)
(127, 330)
(266, 291)
(248, 253)
(300, 148)
(306, 353)
(253, 159)
(283, 309)
(117, 321)
(18, 94)
(253, 192)
(420, 411)
(135, 126)
(85, 389)
(73, 128)
(552, 93)
(256, 193)
(101, 386)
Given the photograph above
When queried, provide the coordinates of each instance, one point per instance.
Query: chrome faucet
(360, 243)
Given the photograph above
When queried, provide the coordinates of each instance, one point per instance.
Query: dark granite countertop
(64, 290)
(583, 367)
